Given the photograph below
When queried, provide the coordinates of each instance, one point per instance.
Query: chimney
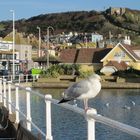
(127, 40)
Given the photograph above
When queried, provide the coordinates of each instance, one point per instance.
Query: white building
(96, 37)
(23, 56)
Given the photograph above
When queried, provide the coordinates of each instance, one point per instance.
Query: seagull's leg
(86, 104)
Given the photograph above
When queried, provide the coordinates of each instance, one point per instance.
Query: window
(119, 54)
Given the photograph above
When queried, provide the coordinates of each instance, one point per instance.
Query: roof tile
(84, 55)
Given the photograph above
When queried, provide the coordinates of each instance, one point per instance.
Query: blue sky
(28, 8)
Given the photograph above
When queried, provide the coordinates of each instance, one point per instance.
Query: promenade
(105, 85)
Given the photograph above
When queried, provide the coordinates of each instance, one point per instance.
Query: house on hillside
(88, 58)
(121, 57)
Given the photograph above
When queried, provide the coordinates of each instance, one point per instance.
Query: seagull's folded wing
(77, 89)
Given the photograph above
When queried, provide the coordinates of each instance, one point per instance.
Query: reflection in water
(117, 104)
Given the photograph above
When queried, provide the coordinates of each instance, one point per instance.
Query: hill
(81, 21)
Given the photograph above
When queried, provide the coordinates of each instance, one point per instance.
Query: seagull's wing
(77, 89)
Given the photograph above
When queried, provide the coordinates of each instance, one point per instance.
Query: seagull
(83, 90)
(107, 104)
(133, 103)
(127, 107)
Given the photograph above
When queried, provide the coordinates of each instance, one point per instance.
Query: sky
(25, 9)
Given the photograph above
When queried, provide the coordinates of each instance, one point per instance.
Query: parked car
(3, 72)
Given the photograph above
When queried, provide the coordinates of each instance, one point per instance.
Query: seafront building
(22, 56)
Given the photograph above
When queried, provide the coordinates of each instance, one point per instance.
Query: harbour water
(118, 104)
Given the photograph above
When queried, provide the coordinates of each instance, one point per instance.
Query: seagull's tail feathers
(63, 101)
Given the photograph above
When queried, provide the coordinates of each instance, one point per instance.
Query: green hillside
(80, 21)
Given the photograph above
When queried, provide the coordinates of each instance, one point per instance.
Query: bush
(57, 70)
(83, 74)
(128, 73)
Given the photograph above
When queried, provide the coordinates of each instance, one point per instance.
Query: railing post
(28, 105)
(48, 118)
(33, 78)
(19, 79)
(26, 78)
(9, 97)
(4, 92)
(17, 103)
(11, 78)
(3, 77)
(90, 124)
(0, 90)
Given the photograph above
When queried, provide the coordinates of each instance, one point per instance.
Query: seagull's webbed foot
(87, 108)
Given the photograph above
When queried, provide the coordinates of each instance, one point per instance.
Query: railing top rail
(99, 118)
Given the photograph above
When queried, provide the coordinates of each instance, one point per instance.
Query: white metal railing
(21, 78)
(91, 115)
(5, 87)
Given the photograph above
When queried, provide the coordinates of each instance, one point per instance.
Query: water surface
(117, 104)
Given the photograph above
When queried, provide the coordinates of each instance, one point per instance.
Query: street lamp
(86, 41)
(13, 13)
(49, 27)
(39, 39)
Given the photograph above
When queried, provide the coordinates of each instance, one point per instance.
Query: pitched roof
(129, 49)
(119, 66)
(84, 55)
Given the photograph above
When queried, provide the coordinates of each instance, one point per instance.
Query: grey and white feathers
(83, 90)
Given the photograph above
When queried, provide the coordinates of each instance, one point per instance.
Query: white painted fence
(91, 115)
(21, 78)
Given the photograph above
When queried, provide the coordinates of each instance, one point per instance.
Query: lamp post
(86, 41)
(13, 13)
(49, 27)
(39, 39)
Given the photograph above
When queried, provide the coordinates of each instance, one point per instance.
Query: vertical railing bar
(28, 105)
(4, 92)
(0, 90)
(90, 124)
(48, 118)
(11, 78)
(17, 103)
(26, 78)
(9, 97)
(19, 79)
(33, 78)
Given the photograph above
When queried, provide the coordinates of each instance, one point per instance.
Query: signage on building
(5, 46)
